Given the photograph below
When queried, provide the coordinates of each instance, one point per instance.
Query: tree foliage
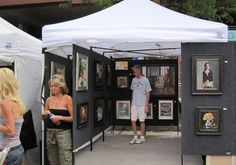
(217, 10)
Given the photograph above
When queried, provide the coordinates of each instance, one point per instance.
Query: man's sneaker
(142, 140)
(136, 141)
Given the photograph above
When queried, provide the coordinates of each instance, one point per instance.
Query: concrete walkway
(163, 148)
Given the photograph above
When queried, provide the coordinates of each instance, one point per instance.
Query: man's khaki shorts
(138, 113)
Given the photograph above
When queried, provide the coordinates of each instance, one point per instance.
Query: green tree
(216, 10)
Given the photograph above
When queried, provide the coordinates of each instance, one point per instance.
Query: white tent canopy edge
(132, 25)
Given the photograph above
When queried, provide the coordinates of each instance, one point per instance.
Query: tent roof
(14, 41)
(131, 24)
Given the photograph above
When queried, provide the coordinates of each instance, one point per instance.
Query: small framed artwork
(57, 68)
(99, 110)
(150, 111)
(123, 110)
(162, 80)
(99, 75)
(122, 65)
(206, 75)
(108, 75)
(82, 115)
(122, 82)
(81, 72)
(208, 120)
(166, 110)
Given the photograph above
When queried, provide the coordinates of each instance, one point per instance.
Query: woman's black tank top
(63, 124)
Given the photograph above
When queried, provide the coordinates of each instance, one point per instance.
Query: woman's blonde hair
(59, 80)
(9, 88)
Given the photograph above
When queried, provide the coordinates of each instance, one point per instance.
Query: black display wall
(223, 144)
(67, 63)
(125, 94)
(84, 134)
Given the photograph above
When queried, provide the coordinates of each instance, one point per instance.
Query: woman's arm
(8, 128)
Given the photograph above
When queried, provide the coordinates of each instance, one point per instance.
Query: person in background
(11, 117)
(58, 117)
(140, 99)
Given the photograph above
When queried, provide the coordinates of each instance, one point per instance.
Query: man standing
(140, 99)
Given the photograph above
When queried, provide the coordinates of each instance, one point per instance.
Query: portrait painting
(99, 75)
(162, 79)
(122, 82)
(123, 109)
(82, 115)
(165, 110)
(57, 68)
(81, 72)
(208, 120)
(99, 110)
(206, 74)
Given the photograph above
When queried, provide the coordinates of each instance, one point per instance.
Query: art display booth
(96, 54)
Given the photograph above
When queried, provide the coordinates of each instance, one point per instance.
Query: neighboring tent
(132, 25)
(24, 52)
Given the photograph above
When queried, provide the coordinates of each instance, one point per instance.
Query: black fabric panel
(209, 145)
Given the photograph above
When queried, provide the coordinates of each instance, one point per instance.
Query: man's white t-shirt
(140, 87)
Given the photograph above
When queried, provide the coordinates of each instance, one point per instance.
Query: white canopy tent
(25, 53)
(132, 25)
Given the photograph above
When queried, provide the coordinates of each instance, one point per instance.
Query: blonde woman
(11, 117)
(58, 117)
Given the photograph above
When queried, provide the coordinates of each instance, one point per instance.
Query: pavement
(160, 148)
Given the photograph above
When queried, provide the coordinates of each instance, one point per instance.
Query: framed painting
(166, 110)
(122, 82)
(99, 75)
(206, 75)
(208, 120)
(81, 72)
(162, 80)
(99, 106)
(82, 115)
(57, 68)
(150, 111)
(122, 65)
(123, 110)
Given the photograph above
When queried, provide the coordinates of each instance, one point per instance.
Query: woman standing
(58, 120)
(11, 117)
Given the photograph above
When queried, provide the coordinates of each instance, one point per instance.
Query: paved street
(162, 148)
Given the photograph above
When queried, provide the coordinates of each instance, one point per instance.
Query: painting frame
(213, 86)
(99, 77)
(99, 118)
(59, 67)
(150, 112)
(125, 115)
(122, 82)
(166, 114)
(82, 66)
(121, 65)
(81, 124)
(205, 125)
(162, 79)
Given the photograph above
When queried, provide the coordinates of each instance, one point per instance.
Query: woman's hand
(56, 119)
(45, 113)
